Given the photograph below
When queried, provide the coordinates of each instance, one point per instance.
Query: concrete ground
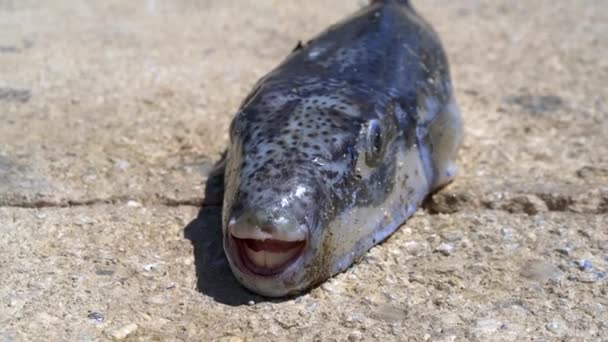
(112, 114)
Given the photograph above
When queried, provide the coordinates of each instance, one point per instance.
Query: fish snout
(265, 244)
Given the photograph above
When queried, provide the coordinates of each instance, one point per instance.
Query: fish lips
(282, 280)
(267, 258)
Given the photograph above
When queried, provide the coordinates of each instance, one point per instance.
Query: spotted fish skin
(334, 149)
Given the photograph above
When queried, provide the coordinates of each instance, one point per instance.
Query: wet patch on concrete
(8, 168)
(20, 186)
(8, 49)
(15, 95)
(537, 104)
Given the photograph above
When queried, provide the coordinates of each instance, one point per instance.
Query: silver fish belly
(336, 148)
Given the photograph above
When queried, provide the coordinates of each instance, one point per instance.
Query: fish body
(335, 148)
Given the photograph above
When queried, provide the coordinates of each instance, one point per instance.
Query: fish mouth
(267, 257)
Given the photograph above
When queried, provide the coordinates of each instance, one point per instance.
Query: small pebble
(89, 178)
(541, 271)
(231, 339)
(122, 332)
(395, 252)
(328, 287)
(488, 325)
(150, 267)
(452, 235)
(121, 165)
(583, 264)
(156, 300)
(312, 307)
(96, 316)
(250, 302)
(592, 277)
(389, 313)
(412, 247)
(355, 335)
(506, 234)
(133, 204)
(415, 278)
(104, 272)
(446, 338)
(84, 220)
(553, 327)
(354, 317)
(445, 249)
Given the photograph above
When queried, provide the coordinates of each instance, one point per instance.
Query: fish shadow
(214, 277)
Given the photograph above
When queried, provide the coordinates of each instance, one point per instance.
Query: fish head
(304, 183)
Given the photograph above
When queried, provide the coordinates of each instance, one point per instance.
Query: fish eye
(374, 143)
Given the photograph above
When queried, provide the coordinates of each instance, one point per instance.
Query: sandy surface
(112, 114)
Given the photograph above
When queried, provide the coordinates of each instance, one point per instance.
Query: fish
(334, 149)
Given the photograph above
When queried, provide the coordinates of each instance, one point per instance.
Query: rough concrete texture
(112, 114)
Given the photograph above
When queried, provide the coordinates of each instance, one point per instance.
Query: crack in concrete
(441, 203)
(531, 203)
(41, 204)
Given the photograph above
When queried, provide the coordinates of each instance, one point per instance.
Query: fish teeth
(270, 260)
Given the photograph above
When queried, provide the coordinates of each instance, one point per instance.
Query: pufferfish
(336, 148)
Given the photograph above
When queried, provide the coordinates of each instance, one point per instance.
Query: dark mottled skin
(305, 126)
